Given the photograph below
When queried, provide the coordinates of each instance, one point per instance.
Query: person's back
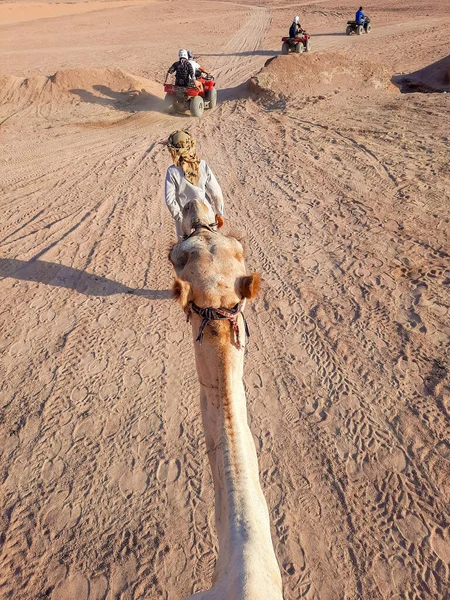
(359, 15)
(295, 27)
(184, 73)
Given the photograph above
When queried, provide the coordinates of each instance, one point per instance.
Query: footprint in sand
(133, 482)
(112, 425)
(441, 545)
(131, 381)
(78, 394)
(61, 517)
(87, 428)
(412, 528)
(108, 391)
(52, 470)
(46, 375)
(18, 349)
(98, 586)
(168, 471)
(97, 366)
(76, 587)
(175, 337)
(152, 369)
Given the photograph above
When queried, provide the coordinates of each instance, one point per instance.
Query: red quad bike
(180, 99)
(297, 44)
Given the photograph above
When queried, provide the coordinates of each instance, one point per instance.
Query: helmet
(190, 55)
(182, 54)
(297, 19)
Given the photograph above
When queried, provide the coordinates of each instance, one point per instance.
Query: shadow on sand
(132, 101)
(434, 78)
(248, 53)
(73, 279)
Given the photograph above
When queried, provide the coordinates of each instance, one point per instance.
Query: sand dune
(432, 78)
(318, 73)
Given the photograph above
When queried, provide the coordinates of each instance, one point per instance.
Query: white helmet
(182, 54)
(297, 19)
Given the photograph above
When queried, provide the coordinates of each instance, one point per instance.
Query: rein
(219, 314)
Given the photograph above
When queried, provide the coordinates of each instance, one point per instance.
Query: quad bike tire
(368, 27)
(360, 30)
(348, 31)
(285, 48)
(308, 46)
(211, 97)
(197, 106)
(299, 48)
(168, 104)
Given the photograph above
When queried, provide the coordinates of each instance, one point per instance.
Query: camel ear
(249, 286)
(181, 291)
(219, 221)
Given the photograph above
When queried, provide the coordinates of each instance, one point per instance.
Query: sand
(341, 184)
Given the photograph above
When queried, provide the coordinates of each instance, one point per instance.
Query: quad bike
(298, 44)
(180, 99)
(358, 28)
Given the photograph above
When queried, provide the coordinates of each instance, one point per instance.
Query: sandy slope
(342, 185)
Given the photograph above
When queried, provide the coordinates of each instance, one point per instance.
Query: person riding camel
(184, 73)
(190, 178)
(295, 28)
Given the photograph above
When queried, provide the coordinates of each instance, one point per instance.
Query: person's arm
(170, 71)
(170, 189)
(214, 192)
(191, 70)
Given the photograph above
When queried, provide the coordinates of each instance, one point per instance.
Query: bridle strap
(219, 314)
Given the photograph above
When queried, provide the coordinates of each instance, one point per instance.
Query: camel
(211, 275)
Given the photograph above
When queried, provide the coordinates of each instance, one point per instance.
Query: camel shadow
(58, 275)
(131, 101)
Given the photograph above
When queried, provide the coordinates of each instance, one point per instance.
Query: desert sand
(340, 184)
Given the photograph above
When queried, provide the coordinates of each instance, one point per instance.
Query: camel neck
(242, 518)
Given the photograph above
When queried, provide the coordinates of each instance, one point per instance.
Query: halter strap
(219, 314)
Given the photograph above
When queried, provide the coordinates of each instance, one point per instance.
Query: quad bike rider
(295, 28)
(184, 72)
(298, 40)
(193, 91)
(360, 25)
(199, 71)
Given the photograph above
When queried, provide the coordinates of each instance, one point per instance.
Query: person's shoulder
(172, 171)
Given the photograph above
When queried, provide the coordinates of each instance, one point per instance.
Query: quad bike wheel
(197, 106)
(368, 27)
(211, 97)
(360, 30)
(299, 48)
(348, 31)
(285, 48)
(308, 46)
(168, 103)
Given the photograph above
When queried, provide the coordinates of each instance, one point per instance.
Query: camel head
(210, 266)
(195, 214)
